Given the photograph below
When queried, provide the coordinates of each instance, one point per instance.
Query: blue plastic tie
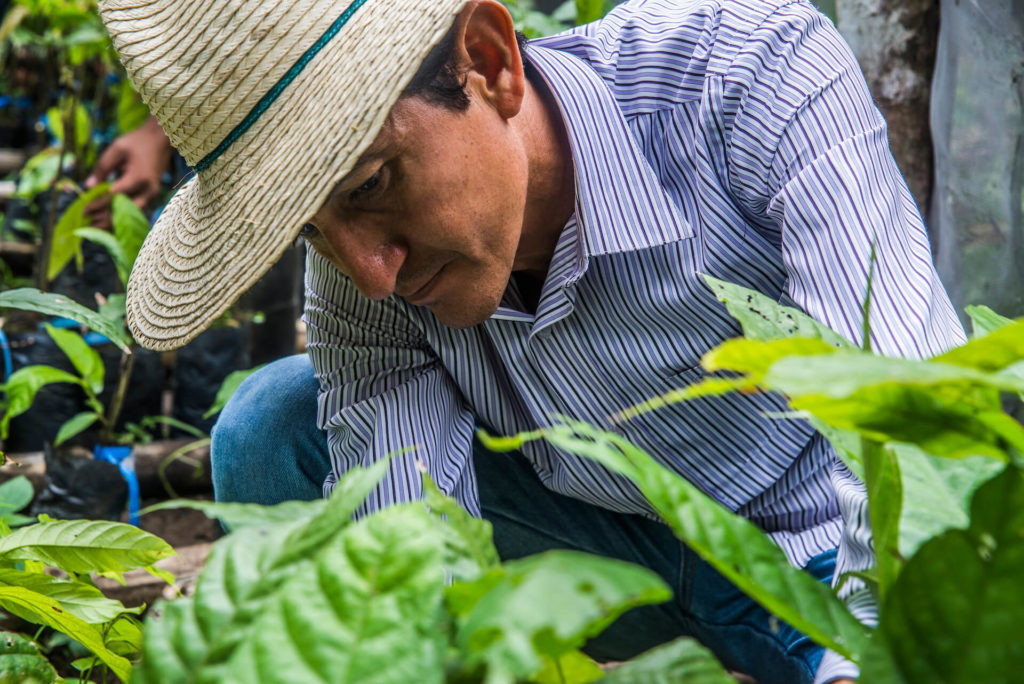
(122, 457)
(5, 347)
(92, 338)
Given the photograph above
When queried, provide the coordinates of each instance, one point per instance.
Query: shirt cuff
(834, 666)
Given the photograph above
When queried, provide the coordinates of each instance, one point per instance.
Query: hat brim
(228, 225)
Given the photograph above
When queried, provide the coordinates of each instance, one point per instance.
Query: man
(504, 234)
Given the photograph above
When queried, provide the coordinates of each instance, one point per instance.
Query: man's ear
(486, 47)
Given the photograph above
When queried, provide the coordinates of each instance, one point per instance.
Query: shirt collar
(620, 202)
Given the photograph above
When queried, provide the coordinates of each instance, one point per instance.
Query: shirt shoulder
(657, 54)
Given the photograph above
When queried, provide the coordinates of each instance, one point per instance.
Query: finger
(131, 185)
(98, 205)
(102, 220)
(109, 162)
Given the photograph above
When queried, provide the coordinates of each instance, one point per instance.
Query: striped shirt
(735, 138)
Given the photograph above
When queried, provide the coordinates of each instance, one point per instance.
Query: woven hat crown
(201, 67)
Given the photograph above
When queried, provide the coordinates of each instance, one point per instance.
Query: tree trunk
(895, 42)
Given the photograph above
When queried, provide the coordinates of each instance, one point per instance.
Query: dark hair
(441, 81)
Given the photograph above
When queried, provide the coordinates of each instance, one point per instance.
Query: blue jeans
(267, 449)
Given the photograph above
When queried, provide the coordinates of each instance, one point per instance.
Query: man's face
(432, 212)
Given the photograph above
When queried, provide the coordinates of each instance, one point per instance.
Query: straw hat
(271, 103)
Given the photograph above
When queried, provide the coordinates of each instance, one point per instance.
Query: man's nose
(371, 259)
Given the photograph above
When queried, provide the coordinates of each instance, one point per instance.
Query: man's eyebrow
(370, 154)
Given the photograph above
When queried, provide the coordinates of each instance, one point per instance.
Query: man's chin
(466, 316)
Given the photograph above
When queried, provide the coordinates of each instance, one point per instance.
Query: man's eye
(308, 231)
(371, 183)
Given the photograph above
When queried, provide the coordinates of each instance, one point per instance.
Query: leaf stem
(117, 401)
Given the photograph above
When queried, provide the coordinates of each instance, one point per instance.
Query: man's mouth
(422, 295)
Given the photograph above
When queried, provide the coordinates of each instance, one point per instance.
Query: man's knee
(263, 433)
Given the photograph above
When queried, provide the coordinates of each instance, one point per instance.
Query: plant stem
(42, 279)
(117, 401)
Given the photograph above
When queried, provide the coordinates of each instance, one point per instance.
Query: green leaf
(39, 173)
(55, 118)
(842, 374)
(763, 318)
(82, 600)
(24, 384)
(682, 660)
(124, 635)
(113, 309)
(21, 662)
(172, 644)
(131, 110)
(348, 494)
(985, 320)
(34, 607)
(885, 499)
(110, 243)
(84, 358)
(469, 544)
(920, 416)
(251, 564)
(573, 667)
(65, 242)
(130, 229)
(937, 493)
(233, 569)
(878, 667)
(756, 357)
(15, 494)
(227, 388)
(372, 594)
(548, 605)
(235, 516)
(732, 545)
(707, 387)
(85, 546)
(998, 349)
(31, 299)
(150, 422)
(74, 425)
(953, 614)
(588, 11)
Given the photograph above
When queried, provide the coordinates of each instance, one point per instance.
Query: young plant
(301, 592)
(130, 228)
(938, 456)
(71, 604)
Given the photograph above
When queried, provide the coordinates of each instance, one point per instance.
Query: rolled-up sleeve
(382, 390)
(810, 160)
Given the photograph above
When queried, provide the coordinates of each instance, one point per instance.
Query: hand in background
(138, 159)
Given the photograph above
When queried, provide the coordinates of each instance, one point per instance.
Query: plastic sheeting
(977, 119)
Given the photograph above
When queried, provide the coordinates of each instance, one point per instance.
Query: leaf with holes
(763, 318)
(21, 661)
